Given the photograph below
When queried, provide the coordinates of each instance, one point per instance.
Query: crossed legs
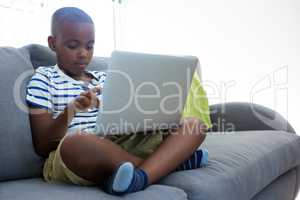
(94, 158)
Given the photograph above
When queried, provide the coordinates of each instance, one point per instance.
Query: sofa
(254, 151)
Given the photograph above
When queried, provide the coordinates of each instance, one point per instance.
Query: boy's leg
(94, 158)
(197, 160)
(174, 150)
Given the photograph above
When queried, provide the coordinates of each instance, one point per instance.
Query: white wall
(20, 23)
(251, 47)
(28, 21)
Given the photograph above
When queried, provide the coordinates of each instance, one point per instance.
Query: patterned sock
(198, 159)
(126, 180)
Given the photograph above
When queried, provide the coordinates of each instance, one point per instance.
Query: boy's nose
(83, 53)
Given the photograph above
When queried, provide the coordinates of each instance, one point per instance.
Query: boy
(64, 101)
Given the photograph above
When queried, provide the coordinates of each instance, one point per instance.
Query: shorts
(140, 145)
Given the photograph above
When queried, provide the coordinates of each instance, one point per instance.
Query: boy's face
(73, 44)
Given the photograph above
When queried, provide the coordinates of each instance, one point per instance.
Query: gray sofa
(254, 152)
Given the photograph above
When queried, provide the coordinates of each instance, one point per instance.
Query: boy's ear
(51, 43)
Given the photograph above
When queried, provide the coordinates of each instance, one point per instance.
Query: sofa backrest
(17, 156)
(43, 56)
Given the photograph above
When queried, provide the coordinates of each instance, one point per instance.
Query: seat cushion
(241, 164)
(281, 188)
(37, 189)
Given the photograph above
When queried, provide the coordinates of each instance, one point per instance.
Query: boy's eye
(90, 46)
(72, 45)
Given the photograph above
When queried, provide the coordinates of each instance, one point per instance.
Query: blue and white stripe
(51, 89)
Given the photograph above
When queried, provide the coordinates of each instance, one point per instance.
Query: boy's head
(72, 39)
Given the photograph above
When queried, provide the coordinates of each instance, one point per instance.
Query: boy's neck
(84, 76)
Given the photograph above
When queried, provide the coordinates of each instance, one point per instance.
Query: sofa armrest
(240, 116)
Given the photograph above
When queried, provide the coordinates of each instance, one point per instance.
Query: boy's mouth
(81, 65)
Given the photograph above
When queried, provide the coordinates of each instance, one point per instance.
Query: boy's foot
(198, 159)
(126, 180)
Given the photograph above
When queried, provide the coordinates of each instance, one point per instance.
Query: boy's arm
(47, 132)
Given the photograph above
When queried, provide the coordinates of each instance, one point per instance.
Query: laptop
(144, 92)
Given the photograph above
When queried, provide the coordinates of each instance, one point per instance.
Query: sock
(126, 180)
(198, 159)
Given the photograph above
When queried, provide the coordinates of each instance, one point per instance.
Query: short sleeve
(38, 91)
(197, 103)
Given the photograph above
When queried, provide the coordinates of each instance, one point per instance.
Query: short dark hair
(69, 14)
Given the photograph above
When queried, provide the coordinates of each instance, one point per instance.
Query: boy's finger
(83, 100)
(94, 99)
(77, 105)
(96, 90)
(80, 99)
(84, 93)
(89, 95)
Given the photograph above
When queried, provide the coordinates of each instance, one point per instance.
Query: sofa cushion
(37, 189)
(18, 159)
(40, 55)
(281, 188)
(241, 164)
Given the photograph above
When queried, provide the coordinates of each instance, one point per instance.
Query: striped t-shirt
(51, 89)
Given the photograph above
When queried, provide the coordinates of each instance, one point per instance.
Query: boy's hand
(87, 99)
(96, 90)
